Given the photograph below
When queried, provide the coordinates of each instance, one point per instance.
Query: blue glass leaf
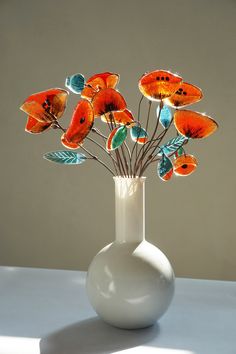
(138, 134)
(75, 83)
(165, 168)
(172, 145)
(65, 157)
(165, 116)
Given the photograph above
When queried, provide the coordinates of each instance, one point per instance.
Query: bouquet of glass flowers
(100, 99)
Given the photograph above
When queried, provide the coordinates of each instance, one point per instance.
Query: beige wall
(59, 217)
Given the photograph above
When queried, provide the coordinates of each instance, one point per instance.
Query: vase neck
(130, 209)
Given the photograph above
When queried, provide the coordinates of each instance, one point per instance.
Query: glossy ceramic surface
(130, 282)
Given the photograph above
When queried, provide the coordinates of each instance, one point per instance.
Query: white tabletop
(46, 311)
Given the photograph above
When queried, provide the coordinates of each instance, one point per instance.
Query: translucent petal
(46, 104)
(108, 100)
(185, 165)
(35, 127)
(116, 138)
(65, 157)
(80, 125)
(122, 117)
(75, 83)
(98, 82)
(165, 116)
(165, 168)
(185, 95)
(138, 134)
(159, 84)
(194, 125)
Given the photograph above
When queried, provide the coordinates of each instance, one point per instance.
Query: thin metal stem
(107, 152)
(97, 159)
(148, 117)
(122, 148)
(146, 146)
(135, 147)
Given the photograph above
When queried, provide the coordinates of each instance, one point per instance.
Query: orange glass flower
(43, 108)
(108, 100)
(185, 95)
(80, 125)
(45, 105)
(98, 82)
(184, 165)
(121, 117)
(159, 84)
(193, 124)
(35, 127)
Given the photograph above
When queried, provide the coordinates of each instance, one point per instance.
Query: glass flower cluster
(128, 142)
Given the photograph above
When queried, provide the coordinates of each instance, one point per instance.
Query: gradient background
(59, 217)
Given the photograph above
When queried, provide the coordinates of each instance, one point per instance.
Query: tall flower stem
(135, 147)
(115, 163)
(145, 147)
(118, 157)
(97, 159)
(113, 125)
(58, 125)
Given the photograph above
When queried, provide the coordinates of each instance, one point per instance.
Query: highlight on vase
(159, 133)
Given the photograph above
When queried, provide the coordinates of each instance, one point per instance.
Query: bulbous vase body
(130, 282)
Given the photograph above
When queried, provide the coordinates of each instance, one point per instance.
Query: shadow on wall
(93, 336)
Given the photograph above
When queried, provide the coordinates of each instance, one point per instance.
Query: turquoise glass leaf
(165, 168)
(172, 145)
(65, 157)
(165, 116)
(138, 134)
(116, 138)
(179, 152)
(119, 137)
(75, 83)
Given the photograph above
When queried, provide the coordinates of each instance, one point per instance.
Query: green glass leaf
(116, 138)
(179, 152)
(172, 145)
(75, 83)
(65, 157)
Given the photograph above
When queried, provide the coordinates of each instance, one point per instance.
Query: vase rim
(129, 178)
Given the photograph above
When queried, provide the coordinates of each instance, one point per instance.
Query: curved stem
(104, 137)
(135, 147)
(146, 146)
(97, 159)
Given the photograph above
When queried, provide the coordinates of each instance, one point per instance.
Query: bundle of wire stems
(128, 162)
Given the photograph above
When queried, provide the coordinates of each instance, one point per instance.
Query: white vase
(130, 282)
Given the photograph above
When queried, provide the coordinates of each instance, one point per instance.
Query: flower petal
(185, 95)
(159, 84)
(184, 165)
(35, 127)
(108, 100)
(98, 82)
(80, 125)
(46, 104)
(194, 125)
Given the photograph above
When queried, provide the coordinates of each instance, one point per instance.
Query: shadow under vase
(93, 336)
